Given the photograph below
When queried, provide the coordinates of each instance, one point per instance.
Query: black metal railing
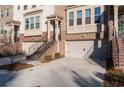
(115, 49)
(39, 50)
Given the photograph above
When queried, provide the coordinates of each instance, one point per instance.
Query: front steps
(118, 54)
(41, 50)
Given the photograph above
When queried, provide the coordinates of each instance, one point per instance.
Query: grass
(15, 66)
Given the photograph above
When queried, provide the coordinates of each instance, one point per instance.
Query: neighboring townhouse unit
(8, 26)
(33, 26)
(85, 34)
(116, 35)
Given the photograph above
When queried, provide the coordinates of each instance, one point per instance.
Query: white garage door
(77, 49)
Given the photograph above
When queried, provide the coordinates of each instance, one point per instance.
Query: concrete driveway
(65, 72)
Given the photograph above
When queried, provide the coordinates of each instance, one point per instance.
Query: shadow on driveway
(91, 81)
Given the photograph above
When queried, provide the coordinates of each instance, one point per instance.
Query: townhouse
(33, 26)
(78, 31)
(7, 24)
(116, 35)
(85, 31)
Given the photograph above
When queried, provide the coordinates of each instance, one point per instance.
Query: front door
(121, 26)
(16, 32)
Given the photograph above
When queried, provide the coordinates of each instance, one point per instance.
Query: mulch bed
(15, 66)
(114, 78)
(113, 84)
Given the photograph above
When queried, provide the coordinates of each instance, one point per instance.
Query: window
(37, 22)
(97, 14)
(27, 23)
(71, 18)
(7, 12)
(25, 7)
(32, 23)
(79, 17)
(33, 6)
(87, 16)
(2, 14)
(1, 32)
(18, 7)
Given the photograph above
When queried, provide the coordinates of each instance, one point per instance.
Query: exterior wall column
(57, 35)
(12, 33)
(48, 37)
(116, 18)
(21, 38)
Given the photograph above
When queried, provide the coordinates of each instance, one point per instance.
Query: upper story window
(37, 22)
(7, 12)
(32, 23)
(79, 17)
(18, 7)
(25, 7)
(27, 23)
(33, 6)
(97, 14)
(88, 16)
(71, 18)
(2, 13)
(1, 27)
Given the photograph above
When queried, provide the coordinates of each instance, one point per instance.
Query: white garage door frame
(77, 49)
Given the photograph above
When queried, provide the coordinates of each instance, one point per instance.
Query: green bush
(115, 76)
(57, 55)
(48, 57)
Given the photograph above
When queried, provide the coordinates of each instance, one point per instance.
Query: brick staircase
(118, 53)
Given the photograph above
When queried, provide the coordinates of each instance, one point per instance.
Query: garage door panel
(77, 49)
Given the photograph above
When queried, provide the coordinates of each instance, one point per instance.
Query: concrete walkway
(65, 72)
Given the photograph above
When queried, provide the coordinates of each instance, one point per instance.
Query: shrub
(115, 76)
(48, 57)
(57, 55)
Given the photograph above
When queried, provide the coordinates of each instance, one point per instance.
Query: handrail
(36, 43)
(41, 49)
(115, 47)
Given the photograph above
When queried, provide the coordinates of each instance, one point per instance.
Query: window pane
(79, 14)
(27, 23)
(71, 15)
(7, 11)
(97, 15)
(71, 22)
(71, 18)
(98, 19)
(79, 21)
(88, 12)
(25, 7)
(97, 10)
(33, 6)
(18, 7)
(37, 21)
(79, 17)
(2, 14)
(32, 22)
(87, 20)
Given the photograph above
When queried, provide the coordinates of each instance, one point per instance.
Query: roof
(13, 21)
(55, 16)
